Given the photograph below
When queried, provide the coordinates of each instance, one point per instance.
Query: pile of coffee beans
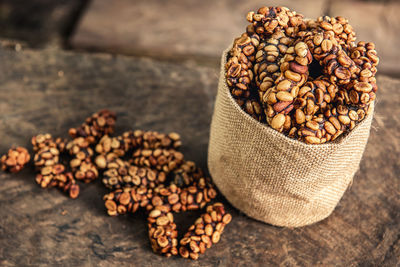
(305, 78)
(142, 169)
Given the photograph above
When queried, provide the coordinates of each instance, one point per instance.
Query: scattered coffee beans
(52, 173)
(188, 190)
(204, 232)
(15, 159)
(96, 126)
(46, 140)
(143, 168)
(81, 164)
(165, 160)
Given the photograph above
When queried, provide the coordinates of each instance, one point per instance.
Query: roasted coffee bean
(129, 198)
(314, 96)
(162, 229)
(110, 148)
(175, 198)
(15, 159)
(268, 57)
(334, 61)
(161, 220)
(252, 107)
(46, 140)
(279, 99)
(151, 140)
(51, 173)
(165, 160)
(340, 27)
(269, 20)
(363, 87)
(86, 171)
(239, 67)
(154, 140)
(105, 161)
(116, 145)
(46, 156)
(302, 70)
(82, 163)
(331, 124)
(162, 232)
(96, 126)
(204, 232)
(187, 174)
(60, 179)
(122, 174)
(194, 192)
(80, 148)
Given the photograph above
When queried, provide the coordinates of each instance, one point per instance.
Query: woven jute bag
(273, 178)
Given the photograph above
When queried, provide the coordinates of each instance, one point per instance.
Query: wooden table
(50, 91)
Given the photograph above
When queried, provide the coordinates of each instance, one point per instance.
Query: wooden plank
(200, 29)
(37, 97)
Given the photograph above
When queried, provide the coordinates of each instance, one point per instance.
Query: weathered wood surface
(48, 91)
(200, 29)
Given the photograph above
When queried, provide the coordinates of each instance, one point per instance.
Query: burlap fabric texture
(273, 178)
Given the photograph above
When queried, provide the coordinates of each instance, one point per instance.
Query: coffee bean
(202, 235)
(363, 87)
(15, 159)
(278, 121)
(99, 124)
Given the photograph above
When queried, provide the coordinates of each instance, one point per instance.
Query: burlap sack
(271, 177)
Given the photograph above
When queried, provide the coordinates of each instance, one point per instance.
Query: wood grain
(364, 229)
